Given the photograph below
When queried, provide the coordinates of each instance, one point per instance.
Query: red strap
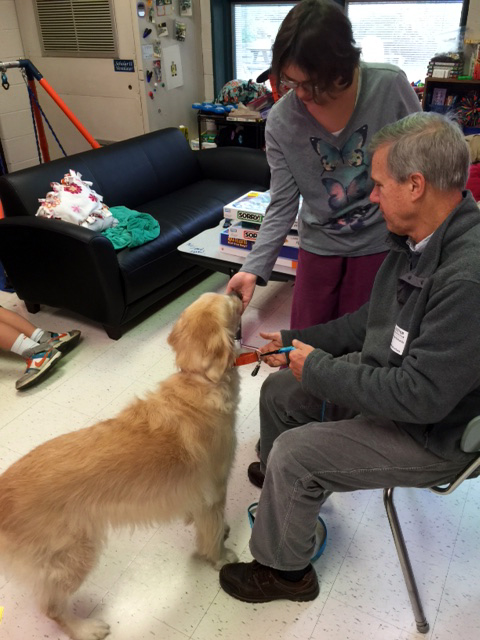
(246, 358)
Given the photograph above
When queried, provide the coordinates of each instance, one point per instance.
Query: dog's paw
(229, 557)
(90, 629)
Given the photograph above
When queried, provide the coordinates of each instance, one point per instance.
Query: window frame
(253, 2)
(463, 15)
(463, 11)
(222, 34)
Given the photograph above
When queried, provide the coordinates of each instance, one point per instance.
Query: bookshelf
(257, 140)
(451, 86)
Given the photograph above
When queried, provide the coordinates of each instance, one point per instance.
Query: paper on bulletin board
(164, 8)
(186, 8)
(147, 51)
(172, 65)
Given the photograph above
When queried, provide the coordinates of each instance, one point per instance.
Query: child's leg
(23, 338)
(19, 335)
(16, 321)
(8, 336)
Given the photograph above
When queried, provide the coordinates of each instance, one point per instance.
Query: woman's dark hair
(317, 37)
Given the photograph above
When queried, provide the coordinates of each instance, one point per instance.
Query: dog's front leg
(211, 533)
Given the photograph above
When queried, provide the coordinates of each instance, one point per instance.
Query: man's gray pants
(308, 457)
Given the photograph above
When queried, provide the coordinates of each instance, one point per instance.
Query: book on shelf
(247, 245)
(248, 231)
(446, 66)
(242, 253)
(438, 96)
(251, 207)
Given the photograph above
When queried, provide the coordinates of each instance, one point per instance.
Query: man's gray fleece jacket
(427, 377)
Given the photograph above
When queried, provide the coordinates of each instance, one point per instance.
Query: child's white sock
(22, 344)
(38, 335)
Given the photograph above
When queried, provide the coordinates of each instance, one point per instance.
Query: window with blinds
(403, 32)
(406, 33)
(77, 28)
(255, 25)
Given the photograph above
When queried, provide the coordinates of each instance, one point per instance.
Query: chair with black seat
(470, 443)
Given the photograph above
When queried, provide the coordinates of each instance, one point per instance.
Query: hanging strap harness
(33, 99)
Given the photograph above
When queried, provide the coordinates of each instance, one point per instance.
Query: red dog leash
(248, 358)
(256, 356)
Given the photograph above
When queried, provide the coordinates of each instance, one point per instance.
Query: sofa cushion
(181, 215)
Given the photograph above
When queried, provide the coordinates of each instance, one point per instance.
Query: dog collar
(249, 358)
(246, 358)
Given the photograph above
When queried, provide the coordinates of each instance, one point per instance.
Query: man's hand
(244, 284)
(274, 344)
(298, 357)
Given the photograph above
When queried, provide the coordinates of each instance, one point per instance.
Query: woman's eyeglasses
(310, 87)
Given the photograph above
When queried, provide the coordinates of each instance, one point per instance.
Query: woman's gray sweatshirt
(332, 173)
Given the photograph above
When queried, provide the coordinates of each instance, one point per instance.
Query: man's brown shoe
(254, 582)
(255, 475)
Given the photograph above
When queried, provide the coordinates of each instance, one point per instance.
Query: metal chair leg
(420, 619)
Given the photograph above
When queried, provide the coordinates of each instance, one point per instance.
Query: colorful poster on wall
(172, 67)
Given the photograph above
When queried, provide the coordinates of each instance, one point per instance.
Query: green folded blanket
(133, 229)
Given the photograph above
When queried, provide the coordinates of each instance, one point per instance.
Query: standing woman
(316, 138)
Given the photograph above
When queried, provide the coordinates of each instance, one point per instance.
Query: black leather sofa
(63, 265)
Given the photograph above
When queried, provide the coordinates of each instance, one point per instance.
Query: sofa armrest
(235, 163)
(62, 265)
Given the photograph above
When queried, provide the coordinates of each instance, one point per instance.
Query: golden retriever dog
(164, 457)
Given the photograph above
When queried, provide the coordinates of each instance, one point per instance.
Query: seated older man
(379, 397)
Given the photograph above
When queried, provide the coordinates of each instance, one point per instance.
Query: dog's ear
(218, 353)
(202, 342)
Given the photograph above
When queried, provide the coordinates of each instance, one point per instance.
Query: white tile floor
(148, 585)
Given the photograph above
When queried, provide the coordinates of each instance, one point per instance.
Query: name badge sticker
(399, 340)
